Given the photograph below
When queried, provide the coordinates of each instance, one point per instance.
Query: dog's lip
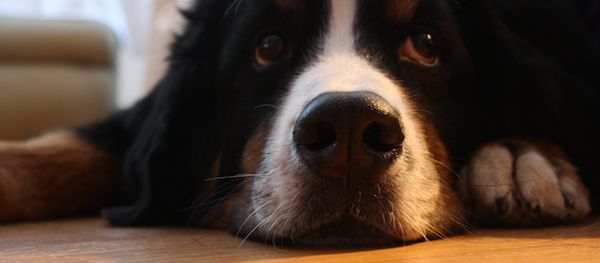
(347, 231)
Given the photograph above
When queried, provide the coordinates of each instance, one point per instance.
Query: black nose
(342, 134)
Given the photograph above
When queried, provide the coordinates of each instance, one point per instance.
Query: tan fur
(53, 175)
(219, 216)
(401, 11)
(450, 219)
(290, 5)
(253, 150)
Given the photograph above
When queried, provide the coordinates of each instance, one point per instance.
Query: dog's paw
(518, 183)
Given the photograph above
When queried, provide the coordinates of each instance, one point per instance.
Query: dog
(340, 122)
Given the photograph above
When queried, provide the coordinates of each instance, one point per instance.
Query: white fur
(493, 167)
(529, 183)
(340, 69)
(538, 183)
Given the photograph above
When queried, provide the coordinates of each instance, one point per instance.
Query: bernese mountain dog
(341, 122)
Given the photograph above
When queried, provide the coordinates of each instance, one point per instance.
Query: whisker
(273, 223)
(248, 218)
(270, 228)
(267, 219)
(266, 106)
(209, 200)
(445, 166)
(234, 177)
(233, 8)
(399, 223)
(252, 231)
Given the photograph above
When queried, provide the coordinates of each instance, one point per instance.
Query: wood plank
(92, 240)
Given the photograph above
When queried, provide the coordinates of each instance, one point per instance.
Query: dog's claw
(534, 207)
(569, 203)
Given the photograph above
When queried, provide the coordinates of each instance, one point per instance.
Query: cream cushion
(54, 74)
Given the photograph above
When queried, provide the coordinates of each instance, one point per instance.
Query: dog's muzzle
(348, 134)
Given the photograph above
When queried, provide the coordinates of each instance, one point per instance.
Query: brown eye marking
(270, 48)
(420, 48)
(290, 5)
(401, 11)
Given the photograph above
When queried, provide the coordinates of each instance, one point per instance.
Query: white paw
(515, 183)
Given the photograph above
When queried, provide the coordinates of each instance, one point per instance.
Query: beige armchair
(54, 74)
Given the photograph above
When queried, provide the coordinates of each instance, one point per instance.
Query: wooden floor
(91, 240)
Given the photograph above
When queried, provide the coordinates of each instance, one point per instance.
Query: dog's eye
(270, 48)
(420, 48)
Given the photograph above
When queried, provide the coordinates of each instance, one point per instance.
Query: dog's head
(315, 121)
(338, 103)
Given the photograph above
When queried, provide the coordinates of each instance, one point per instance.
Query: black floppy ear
(537, 66)
(169, 139)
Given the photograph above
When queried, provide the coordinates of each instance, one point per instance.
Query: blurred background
(69, 62)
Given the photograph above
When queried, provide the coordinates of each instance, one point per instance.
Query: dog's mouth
(343, 232)
(346, 231)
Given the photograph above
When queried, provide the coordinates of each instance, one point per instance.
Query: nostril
(325, 136)
(317, 137)
(383, 136)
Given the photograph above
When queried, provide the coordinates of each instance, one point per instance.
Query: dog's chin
(337, 230)
(347, 231)
(343, 232)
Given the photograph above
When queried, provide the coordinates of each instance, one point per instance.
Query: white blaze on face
(340, 36)
(338, 68)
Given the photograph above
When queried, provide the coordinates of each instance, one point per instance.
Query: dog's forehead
(397, 10)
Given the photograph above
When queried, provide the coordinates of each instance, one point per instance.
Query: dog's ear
(537, 57)
(169, 140)
(517, 30)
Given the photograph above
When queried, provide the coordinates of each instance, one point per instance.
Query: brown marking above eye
(270, 48)
(401, 11)
(289, 5)
(420, 48)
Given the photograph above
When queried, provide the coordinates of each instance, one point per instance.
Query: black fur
(168, 139)
(537, 76)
